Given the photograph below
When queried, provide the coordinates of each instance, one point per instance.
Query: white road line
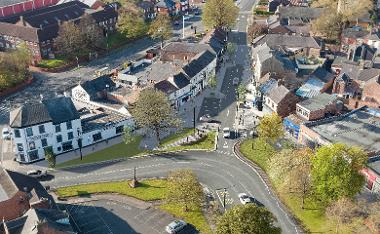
(228, 112)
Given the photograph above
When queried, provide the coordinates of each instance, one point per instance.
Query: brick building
(38, 28)
(11, 7)
(317, 107)
(280, 100)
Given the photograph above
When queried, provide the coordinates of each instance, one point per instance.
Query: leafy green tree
(241, 91)
(161, 28)
(128, 135)
(220, 13)
(153, 111)
(335, 172)
(212, 81)
(184, 189)
(50, 157)
(131, 25)
(231, 47)
(270, 128)
(91, 33)
(243, 219)
(69, 40)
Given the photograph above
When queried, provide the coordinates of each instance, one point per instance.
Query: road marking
(228, 112)
(225, 145)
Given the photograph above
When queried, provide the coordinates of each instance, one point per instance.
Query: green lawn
(258, 152)
(51, 63)
(208, 143)
(148, 190)
(120, 150)
(193, 216)
(177, 136)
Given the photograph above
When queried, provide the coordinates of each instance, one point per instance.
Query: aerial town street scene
(189, 116)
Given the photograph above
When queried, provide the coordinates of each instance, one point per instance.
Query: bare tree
(340, 212)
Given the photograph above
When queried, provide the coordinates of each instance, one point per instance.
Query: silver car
(175, 226)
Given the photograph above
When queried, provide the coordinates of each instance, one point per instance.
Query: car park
(5, 134)
(175, 226)
(36, 173)
(226, 132)
(235, 81)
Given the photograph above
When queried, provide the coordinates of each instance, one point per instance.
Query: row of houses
(322, 96)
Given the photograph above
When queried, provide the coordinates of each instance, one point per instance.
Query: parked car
(205, 118)
(235, 81)
(5, 134)
(226, 132)
(36, 173)
(245, 199)
(175, 226)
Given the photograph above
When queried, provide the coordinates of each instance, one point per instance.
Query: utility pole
(224, 198)
(194, 119)
(80, 144)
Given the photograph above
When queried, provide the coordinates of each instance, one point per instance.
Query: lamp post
(77, 61)
(80, 143)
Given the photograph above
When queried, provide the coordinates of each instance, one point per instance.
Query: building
(61, 126)
(372, 175)
(319, 82)
(93, 4)
(12, 7)
(182, 52)
(38, 28)
(294, 15)
(318, 107)
(280, 100)
(148, 9)
(167, 7)
(359, 127)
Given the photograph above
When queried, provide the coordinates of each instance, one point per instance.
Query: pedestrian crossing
(222, 152)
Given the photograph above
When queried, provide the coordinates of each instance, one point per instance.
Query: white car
(5, 134)
(235, 81)
(226, 132)
(175, 226)
(36, 173)
(245, 199)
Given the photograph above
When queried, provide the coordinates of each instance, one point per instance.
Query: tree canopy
(50, 157)
(131, 25)
(270, 128)
(161, 28)
(220, 13)
(335, 172)
(69, 40)
(184, 189)
(249, 218)
(91, 33)
(152, 110)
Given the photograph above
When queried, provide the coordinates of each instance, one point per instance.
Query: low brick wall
(16, 88)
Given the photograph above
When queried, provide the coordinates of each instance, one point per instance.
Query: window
(17, 133)
(44, 142)
(119, 129)
(20, 147)
(70, 135)
(67, 146)
(29, 132)
(22, 157)
(97, 136)
(69, 125)
(32, 145)
(41, 128)
(57, 128)
(33, 155)
(59, 138)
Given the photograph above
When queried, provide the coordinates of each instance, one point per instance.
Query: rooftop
(360, 127)
(290, 41)
(304, 13)
(310, 89)
(375, 166)
(318, 102)
(156, 72)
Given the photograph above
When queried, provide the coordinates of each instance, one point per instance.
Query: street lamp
(80, 143)
(77, 61)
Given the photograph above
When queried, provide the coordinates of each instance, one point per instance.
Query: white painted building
(57, 124)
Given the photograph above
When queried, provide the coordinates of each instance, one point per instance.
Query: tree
(128, 135)
(212, 81)
(249, 218)
(330, 25)
(241, 91)
(255, 30)
(161, 28)
(152, 110)
(184, 189)
(341, 211)
(270, 128)
(231, 47)
(69, 40)
(220, 13)
(131, 25)
(50, 157)
(335, 172)
(91, 32)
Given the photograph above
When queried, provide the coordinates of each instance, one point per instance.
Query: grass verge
(177, 136)
(257, 151)
(51, 63)
(207, 143)
(149, 190)
(120, 150)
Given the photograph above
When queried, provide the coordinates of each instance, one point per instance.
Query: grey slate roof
(354, 33)
(199, 63)
(292, 41)
(304, 13)
(356, 72)
(57, 110)
(165, 86)
(98, 84)
(184, 47)
(278, 93)
(318, 102)
(322, 74)
(165, 4)
(181, 80)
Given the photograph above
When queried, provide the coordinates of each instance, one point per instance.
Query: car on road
(245, 199)
(197, 12)
(175, 226)
(205, 118)
(235, 81)
(226, 132)
(6, 134)
(176, 22)
(36, 173)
